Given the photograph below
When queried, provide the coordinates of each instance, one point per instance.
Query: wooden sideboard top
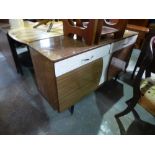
(53, 44)
(61, 47)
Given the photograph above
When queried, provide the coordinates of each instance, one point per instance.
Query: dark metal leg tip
(71, 109)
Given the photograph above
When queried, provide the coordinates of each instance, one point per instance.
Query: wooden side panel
(75, 84)
(121, 58)
(45, 77)
(5, 49)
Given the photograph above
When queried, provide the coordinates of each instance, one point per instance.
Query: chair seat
(147, 99)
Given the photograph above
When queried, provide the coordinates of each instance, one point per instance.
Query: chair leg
(133, 73)
(129, 108)
(147, 74)
(116, 77)
(121, 127)
(135, 114)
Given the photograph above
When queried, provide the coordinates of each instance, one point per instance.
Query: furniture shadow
(137, 127)
(108, 95)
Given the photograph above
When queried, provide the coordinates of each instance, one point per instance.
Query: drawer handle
(87, 59)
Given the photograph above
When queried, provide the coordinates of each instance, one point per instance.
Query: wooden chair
(105, 27)
(86, 32)
(140, 26)
(142, 54)
(93, 29)
(143, 90)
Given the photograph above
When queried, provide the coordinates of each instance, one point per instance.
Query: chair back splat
(92, 30)
(147, 59)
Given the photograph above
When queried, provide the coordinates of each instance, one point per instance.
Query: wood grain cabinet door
(74, 85)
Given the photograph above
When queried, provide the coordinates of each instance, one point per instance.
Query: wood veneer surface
(76, 84)
(61, 47)
(28, 34)
(45, 77)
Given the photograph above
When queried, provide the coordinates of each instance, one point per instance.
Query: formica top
(61, 47)
(28, 34)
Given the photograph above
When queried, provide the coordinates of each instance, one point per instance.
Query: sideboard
(66, 70)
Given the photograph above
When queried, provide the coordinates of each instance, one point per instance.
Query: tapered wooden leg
(133, 73)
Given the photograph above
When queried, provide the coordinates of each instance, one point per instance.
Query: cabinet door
(74, 85)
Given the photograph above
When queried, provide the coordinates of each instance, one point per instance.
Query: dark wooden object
(88, 33)
(117, 29)
(92, 30)
(144, 66)
(143, 53)
(4, 21)
(140, 26)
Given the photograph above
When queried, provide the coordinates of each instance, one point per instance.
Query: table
(66, 70)
(27, 34)
(5, 47)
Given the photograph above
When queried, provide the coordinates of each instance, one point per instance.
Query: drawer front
(78, 83)
(77, 61)
(123, 43)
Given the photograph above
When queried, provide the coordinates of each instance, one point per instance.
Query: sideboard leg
(71, 109)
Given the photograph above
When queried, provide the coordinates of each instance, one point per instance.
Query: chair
(142, 27)
(143, 50)
(93, 30)
(143, 90)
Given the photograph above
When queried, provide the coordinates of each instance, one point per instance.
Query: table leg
(15, 55)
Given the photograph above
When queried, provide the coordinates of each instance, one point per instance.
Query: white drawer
(123, 43)
(106, 60)
(74, 62)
